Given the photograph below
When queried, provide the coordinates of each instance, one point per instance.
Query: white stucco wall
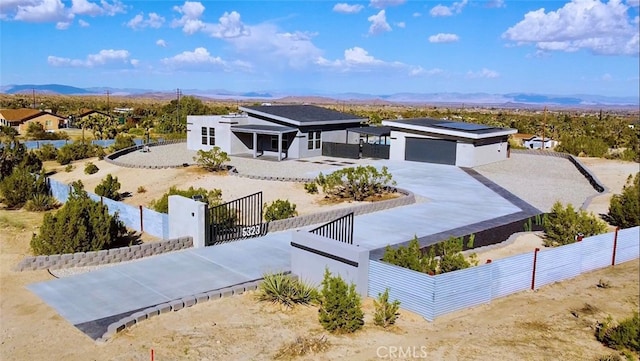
(224, 137)
(469, 156)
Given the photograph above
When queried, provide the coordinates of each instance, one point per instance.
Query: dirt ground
(156, 182)
(531, 325)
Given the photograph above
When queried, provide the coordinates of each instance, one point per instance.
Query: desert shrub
(583, 146)
(47, 152)
(357, 183)
(78, 150)
(279, 209)
(123, 141)
(68, 168)
(311, 187)
(141, 189)
(212, 197)
(610, 357)
(91, 168)
(623, 336)
(20, 186)
(80, 225)
(31, 162)
(340, 305)
(212, 160)
(562, 225)
(442, 257)
(109, 188)
(41, 203)
(624, 208)
(302, 346)
(136, 131)
(283, 289)
(36, 131)
(386, 313)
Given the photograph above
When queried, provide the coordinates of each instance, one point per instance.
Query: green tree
(123, 141)
(20, 186)
(357, 183)
(562, 225)
(81, 225)
(624, 208)
(212, 160)
(386, 313)
(47, 152)
(109, 188)
(340, 305)
(411, 257)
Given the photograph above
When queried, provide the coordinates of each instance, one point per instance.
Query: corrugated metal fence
(434, 296)
(136, 218)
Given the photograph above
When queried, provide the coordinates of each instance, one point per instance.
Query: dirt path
(613, 174)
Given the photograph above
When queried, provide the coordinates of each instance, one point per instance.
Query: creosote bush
(123, 141)
(283, 289)
(279, 209)
(562, 225)
(623, 336)
(340, 305)
(91, 168)
(442, 257)
(357, 183)
(109, 188)
(386, 313)
(212, 197)
(212, 160)
(311, 187)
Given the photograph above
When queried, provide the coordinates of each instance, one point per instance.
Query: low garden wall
(107, 256)
(405, 199)
(111, 158)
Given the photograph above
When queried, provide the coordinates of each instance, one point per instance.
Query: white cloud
(161, 42)
(42, 11)
(378, 23)
(484, 73)
(495, 4)
(229, 26)
(419, 71)
(345, 8)
(190, 20)
(102, 58)
(198, 57)
(153, 21)
(84, 7)
(455, 8)
(633, 3)
(381, 4)
(401, 25)
(580, 24)
(416, 15)
(55, 11)
(357, 59)
(443, 38)
(83, 23)
(63, 25)
(607, 77)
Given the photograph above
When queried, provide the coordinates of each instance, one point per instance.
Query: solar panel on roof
(464, 126)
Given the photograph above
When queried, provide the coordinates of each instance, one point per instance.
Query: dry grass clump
(302, 346)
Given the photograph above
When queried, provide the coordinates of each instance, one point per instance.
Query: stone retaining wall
(111, 158)
(327, 216)
(106, 256)
(593, 180)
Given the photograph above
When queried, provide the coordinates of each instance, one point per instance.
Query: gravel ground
(540, 180)
(178, 154)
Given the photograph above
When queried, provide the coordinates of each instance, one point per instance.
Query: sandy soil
(533, 325)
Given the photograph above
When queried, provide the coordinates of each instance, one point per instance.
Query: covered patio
(257, 130)
(379, 134)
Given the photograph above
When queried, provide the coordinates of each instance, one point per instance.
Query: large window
(274, 142)
(314, 141)
(208, 137)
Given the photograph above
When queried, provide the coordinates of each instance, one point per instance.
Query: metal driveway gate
(238, 219)
(340, 229)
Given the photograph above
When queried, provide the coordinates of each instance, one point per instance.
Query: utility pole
(33, 92)
(108, 105)
(544, 122)
(178, 93)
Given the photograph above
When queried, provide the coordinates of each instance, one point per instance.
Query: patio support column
(279, 147)
(255, 145)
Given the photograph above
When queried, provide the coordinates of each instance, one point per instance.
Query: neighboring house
(445, 142)
(536, 142)
(86, 114)
(519, 138)
(20, 119)
(283, 131)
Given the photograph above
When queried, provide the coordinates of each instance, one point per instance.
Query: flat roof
(446, 127)
(262, 129)
(377, 131)
(302, 114)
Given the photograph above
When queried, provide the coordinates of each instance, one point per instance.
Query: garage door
(430, 150)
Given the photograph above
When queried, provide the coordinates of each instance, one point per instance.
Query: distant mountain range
(513, 100)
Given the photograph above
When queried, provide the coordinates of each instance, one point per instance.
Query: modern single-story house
(446, 142)
(20, 119)
(283, 131)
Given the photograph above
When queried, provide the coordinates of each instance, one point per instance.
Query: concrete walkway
(455, 199)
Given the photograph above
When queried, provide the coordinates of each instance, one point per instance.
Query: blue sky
(374, 47)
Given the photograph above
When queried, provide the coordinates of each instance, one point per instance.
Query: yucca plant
(283, 289)
(41, 203)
